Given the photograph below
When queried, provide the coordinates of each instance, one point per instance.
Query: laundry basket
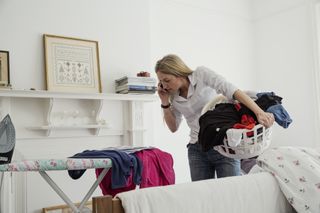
(253, 142)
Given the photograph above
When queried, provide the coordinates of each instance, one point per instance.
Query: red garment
(247, 121)
(105, 184)
(157, 171)
(157, 168)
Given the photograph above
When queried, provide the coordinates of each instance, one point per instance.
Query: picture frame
(66, 208)
(4, 69)
(71, 64)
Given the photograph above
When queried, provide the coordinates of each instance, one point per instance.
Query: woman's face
(171, 83)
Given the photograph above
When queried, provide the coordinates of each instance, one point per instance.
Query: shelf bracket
(134, 123)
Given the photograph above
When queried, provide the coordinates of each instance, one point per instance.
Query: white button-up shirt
(205, 84)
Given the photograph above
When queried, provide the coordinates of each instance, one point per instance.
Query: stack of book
(138, 85)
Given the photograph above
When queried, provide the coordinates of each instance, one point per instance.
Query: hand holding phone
(163, 93)
(161, 86)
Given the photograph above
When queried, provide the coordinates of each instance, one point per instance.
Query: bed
(285, 180)
(245, 194)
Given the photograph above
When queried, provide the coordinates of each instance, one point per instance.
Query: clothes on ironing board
(129, 149)
(157, 171)
(122, 163)
(106, 185)
(158, 168)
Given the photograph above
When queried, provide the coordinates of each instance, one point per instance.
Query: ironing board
(44, 165)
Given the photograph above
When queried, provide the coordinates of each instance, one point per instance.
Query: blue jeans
(204, 165)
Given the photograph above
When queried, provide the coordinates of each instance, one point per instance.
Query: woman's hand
(163, 95)
(265, 118)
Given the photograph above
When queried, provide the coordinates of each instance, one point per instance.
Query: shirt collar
(191, 89)
(192, 80)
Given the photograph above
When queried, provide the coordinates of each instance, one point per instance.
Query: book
(136, 92)
(136, 88)
(135, 80)
(150, 84)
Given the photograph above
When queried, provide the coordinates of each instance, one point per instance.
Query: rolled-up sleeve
(177, 115)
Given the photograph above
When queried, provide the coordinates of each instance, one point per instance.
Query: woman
(184, 92)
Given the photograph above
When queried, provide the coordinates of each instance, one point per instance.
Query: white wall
(121, 27)
(285, 63)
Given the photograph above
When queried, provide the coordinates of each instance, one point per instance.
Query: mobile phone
(161, 85)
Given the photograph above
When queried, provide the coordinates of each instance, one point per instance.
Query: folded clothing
(157, 171)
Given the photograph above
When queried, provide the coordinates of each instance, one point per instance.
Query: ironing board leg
(93, 187)
(1, 182)
(56, 188)
(64, 197)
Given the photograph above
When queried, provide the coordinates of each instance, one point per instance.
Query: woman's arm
(170, 119)
(169, 116)
(264, 118)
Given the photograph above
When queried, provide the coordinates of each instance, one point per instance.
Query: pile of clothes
(131, 167)
(215, 124)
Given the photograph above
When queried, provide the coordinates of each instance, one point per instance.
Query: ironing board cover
(55, 164)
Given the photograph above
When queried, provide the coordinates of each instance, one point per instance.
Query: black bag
(7, 140)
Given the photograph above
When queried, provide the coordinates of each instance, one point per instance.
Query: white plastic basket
(253, 142)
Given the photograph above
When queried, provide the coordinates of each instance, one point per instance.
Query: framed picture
(4, 69)
(66, 209)
(71, 64)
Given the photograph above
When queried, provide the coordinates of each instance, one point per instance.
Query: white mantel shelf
(72, 114)
(61, 95)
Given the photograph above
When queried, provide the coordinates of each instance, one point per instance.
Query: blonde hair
(173, 65)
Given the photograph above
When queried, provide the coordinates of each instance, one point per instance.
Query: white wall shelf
(61, 95)
(49, 128)
(38, 113)
(88, 126)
